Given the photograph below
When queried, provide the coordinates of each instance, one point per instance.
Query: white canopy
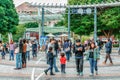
(63, 35)
(50, 35)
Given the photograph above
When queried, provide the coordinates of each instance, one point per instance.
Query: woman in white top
(28, 51)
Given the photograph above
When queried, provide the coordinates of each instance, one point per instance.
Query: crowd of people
(90, 50)
(57, 49)
(21, 49)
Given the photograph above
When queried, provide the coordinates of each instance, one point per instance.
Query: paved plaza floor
(35, 68)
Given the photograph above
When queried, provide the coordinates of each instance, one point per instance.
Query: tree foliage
(31, 25)
(8, 17)
(108, 19)
(20, 29)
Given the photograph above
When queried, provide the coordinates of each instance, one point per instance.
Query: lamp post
(69, 36)
(42, 21)
(39, 24)
(95, 24)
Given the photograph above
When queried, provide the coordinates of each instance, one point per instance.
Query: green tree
(108, 19)
(31, 25)
(8, 17)
(20, 29)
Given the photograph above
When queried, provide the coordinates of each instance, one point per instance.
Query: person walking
(12, 49)
(79, 51)
(28, 50)
(24, 54)
(63, 62)
(50, 61)
(93, 56)
(52, 44)
(108, 48)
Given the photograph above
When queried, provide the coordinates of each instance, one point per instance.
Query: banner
(27, 35)
(43, 40)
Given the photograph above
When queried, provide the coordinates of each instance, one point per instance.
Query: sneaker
(104, 62)
(96, 72)
(81, 73)
(45, 72)
(91, 74)
(64, 72)
(57, 71)
(111, 64)
(52, 74)
(78, 73)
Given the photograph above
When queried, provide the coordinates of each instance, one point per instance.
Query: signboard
(43, 40)
(27, 35)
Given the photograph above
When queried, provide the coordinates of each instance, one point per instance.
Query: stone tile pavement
(106, 72)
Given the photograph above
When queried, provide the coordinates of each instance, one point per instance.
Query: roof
(26, 7)
(49, 29)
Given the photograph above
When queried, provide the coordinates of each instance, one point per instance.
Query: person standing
(28, 50)
(79, 51)
(108, 48)
(3, 53)
(1, 47)
(93, 56)
(66, 48)
(24, 54)
(50, 61)
(34, 49)
(18, 56)
(63, 62)
(99, 43)
(56, 48)
(18, 52)
(12, 49)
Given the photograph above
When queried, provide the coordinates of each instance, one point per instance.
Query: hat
(78, 40)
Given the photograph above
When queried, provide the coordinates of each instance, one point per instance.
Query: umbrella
(50, 35)
(63, 35)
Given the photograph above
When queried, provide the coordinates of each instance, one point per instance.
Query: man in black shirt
(79, 50)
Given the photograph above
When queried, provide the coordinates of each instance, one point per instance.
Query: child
(63, 62)
(50, 61)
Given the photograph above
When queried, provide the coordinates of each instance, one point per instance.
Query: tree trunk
(107, 33)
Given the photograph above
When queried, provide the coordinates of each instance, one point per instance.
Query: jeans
(51, 67)
(79, 65)
(99, 48)
(63, 68)
(93, 65)
(68, 55)
(19, 60)
(108, 56)
(12, 54)
(54, 65)
(34, 53)
(28, 55)
(56, 53)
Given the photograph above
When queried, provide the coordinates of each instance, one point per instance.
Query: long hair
(91, 45)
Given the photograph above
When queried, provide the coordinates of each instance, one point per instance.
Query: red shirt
(63, 60)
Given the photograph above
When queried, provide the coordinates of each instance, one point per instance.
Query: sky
(18, 2)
